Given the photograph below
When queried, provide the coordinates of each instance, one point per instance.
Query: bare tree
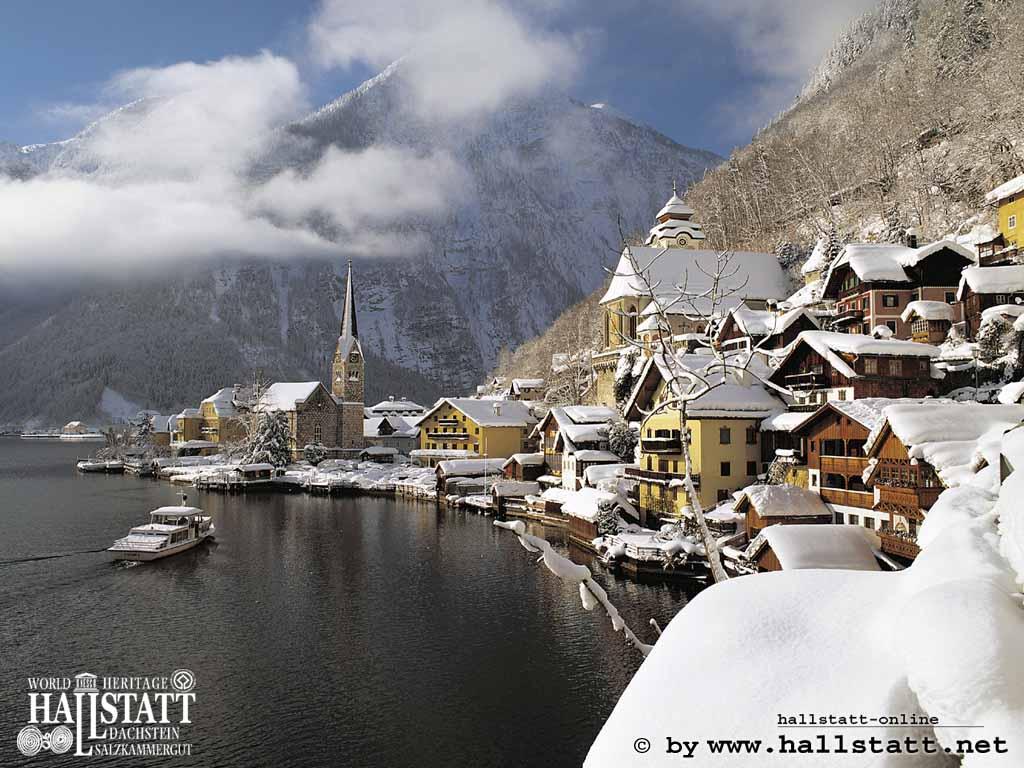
(685, 384)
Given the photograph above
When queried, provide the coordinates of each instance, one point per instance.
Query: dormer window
(353, 358)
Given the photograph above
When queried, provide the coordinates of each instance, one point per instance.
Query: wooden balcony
(806, 380)
(842, 465)
(459, 437)
(899, 544)
(661, 445)
(907, 501)
(848, 316)
(862, 499)
(662, 477)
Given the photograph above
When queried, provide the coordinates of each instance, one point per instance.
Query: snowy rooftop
(808, 294)
(223, 401)
(829, 344)
(1006, 189)
(1008, 279)
(470, 467)
(816, 261)
(488, 413)
(1003, 310)
(928, 310)
(751, 275)
(525, 460)
(283, 395)
(398, 427)
(844, 547)
(761, 322)
(784, 501)
(675, 207)
(397, 405)
(884, 262)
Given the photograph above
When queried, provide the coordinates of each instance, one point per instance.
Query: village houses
(1004, 248)
(468, 427)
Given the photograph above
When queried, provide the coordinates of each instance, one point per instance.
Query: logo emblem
(31, 741)
(183, 680)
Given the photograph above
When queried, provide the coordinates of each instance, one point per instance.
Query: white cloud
(465, 55)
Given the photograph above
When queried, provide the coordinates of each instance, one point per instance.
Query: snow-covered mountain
(549, 179)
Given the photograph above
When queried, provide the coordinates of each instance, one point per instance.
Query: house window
(751, 468)
(854, 519)
(869, 523)
(1011, 222)
(864, 303)
(724, 436)
(891, 325)
(896, 367)
(725, 469)
(950, 297)
(839, 518)
(318, 433)
(723, 495)
(751, 436)
(814, 446)
(870, 366)
(1002, 298)
(890, 300)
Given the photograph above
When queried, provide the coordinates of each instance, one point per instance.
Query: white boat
(82, 436)
(170, 530)
(100, 465)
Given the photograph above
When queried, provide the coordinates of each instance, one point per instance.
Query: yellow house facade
(476, 428)
(187, 426)
(724, 431)
(1008, 199)
(219, 418)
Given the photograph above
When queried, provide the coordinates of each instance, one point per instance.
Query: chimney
(497, 409)
(912, 237)
(391, 398)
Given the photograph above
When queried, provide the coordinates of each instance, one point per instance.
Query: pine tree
(622, 440)
(142, 430)
(624, 379)
(314, 453)
(270, 444)
(992, 339)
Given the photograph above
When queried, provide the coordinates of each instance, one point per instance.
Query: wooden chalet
(523, 466)
(766, 505)
(823, 365)
(872, 283)
(929, 321)
(982, 288)
(764, 328)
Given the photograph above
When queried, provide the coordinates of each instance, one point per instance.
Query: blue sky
(706, 74)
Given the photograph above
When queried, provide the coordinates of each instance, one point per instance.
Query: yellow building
(186, 426)
(1009, 201)
(724, 429)
(648, 278)
(219, 416)
(466, 427)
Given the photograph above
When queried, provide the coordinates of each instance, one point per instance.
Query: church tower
(347, 372)
(675, 227)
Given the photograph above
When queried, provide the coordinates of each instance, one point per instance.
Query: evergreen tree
(314, 453)
(622, 440)
(270, 444)
(142, 430)
(624, 379)
(992, 339)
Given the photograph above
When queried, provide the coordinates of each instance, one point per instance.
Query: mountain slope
(908, 121)
(548, 180)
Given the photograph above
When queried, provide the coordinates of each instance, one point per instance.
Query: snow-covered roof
(520, 384)
(885, 262)
(599, 472)
(400, 427)
(470, 467)
(188, 413)
(784, 501)
(584, 433)
(487, 413)
(675, 207)
(397, 405)
(734, 392)
(1006, 189)
(602, 457)
(816, 261)
(515, 488)
(762, 322)
(585, 503)
(282, 395)
(843, 547)
(524, 460)
(1008, 279)
(784, 421)
(830, 345)
(751, 275)
(590, 414)
(808, 294)
(1003, 310)
(928, 310)
(223, 401)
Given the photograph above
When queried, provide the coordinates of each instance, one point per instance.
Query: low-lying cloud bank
(167, 178)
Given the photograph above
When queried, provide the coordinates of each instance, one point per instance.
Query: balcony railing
(661, 445)
(862, 499)
(911, 499)
(806, 380)
(843, 465)
(898, 543)
(848, 316)
(456, 436)
(663, 477)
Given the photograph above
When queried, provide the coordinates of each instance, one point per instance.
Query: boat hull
(145, 556)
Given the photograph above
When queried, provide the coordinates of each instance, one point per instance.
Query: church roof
(283, 395)
(675, 207)
(348, 340)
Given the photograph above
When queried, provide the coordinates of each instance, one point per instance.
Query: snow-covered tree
(625, 379)
(314, 453)
(622, 440)
(142, 430)
(992, 338)
(270, 443)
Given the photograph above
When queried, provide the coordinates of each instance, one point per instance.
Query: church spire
(349, 329)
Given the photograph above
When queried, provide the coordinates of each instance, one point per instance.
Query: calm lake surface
(322, 631)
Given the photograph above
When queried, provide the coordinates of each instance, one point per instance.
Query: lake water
(346, 631)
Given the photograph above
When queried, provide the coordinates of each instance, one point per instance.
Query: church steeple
(347, 371)
(676, 227)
